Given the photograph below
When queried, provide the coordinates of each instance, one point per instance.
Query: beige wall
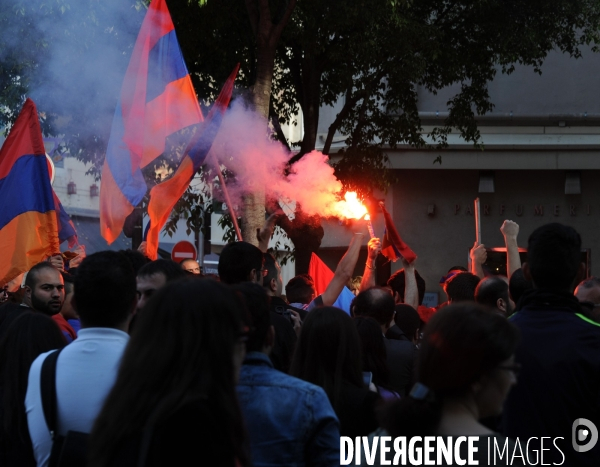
(443, 240)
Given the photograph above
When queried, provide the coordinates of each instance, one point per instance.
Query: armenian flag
(28, 221)
(393, 247)
(165, 195)
(157, 99)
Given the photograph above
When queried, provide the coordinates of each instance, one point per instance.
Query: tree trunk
(267, 35)
(307, 241)
(261, 91)
(253, 214)
(253, 206)
(311, 84)
(306, 233)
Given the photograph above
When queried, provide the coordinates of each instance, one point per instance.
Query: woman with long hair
(465, 370)
(328, 354)
(28, 335)
(174, 398)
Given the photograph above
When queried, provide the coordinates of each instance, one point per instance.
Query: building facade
(540, 163)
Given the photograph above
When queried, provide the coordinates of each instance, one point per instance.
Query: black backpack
(69, 450)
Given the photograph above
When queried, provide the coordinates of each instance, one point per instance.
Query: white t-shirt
(85, 373)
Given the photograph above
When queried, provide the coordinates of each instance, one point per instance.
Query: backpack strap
(48, 391)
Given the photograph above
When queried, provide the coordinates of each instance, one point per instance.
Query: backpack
(69, 450)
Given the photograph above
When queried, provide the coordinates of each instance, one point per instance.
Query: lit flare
(350, 207)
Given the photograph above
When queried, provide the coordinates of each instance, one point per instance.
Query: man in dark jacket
(285, 319)
(378, 304)
(559, 353)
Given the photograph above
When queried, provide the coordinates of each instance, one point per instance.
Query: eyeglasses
(515, 368)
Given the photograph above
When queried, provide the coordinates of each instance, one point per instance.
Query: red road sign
(183, 250)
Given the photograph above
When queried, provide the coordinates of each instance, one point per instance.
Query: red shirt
(65, 327)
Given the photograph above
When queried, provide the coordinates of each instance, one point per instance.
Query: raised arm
(369, 276)
(264, 235)
(411, 292)
(478, 257)
(344, 271)
(510, 230)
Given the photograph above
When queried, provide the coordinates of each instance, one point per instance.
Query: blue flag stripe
(132, 185)
(36, 197)
(165, 65)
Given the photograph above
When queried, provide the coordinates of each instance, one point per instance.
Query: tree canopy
(375, 57)
(70, 57)
(372, 56)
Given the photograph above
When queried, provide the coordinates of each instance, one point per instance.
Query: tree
(373, 55)
(70, 57)
(254, 30)
(376, 55)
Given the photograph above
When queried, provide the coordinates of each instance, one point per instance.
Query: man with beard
(105, 298)
(44, 289)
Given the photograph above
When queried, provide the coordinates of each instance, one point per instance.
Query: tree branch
(253, 15)
(264, 14)
(284, 20)
(275, 120)
(351, 101)
(293, 63)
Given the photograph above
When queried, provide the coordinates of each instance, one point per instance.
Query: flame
(351, 207)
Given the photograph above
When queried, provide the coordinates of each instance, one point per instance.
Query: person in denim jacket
(289, 422)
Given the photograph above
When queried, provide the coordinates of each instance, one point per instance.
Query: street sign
(183, 250)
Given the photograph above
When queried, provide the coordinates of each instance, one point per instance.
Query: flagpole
(477, 221)
(227, 199)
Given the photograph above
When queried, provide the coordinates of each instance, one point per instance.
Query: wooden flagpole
(477, 221)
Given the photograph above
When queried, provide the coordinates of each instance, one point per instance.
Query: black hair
(407, 319)
(460, 344)
(31, 277)
(590, 283)
(461, 287)
(300, 289)
(397, 283)
(328, 352)
(105, 289)
(373, 349)
(69, 280)
(553, 256)
(237, 260)
(518, 285)
(9, 311)
(490, 289)
(271, 267)
(198, 325)
(28, 335)
(136, 258)
(376, 303)
(257, 304)
(170, 269)
(458, 268)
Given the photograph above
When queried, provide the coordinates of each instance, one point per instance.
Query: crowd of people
(118, 360)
